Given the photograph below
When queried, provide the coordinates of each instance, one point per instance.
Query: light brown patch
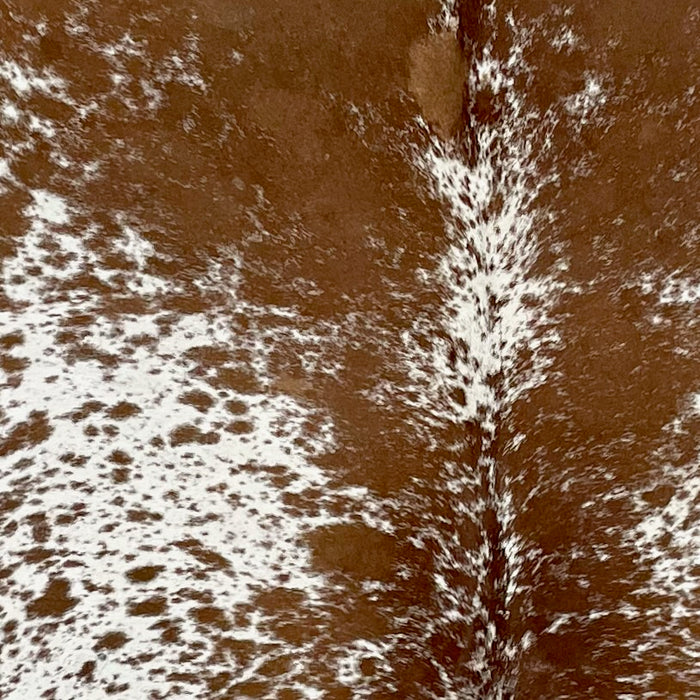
(436, 79)
(296, 386)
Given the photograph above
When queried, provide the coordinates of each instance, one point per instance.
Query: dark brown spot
(54, 602)
(10, 364)
(114, 688)
(9, 340)
(9, 501)
(210, 616)
(139, 515)
(121, 475)
(37, 554)
(187, 433)
(143, 574)
(111, 640)
(86, 671)
(201, 400)
(239, 427)
(120, 457)
(236, 407)
(660, 496)
(31, 432)
(150, 607)
(124, 409)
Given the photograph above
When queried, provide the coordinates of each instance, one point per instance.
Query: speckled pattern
(326, 373)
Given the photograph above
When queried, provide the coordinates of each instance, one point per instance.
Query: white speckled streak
(495, 309)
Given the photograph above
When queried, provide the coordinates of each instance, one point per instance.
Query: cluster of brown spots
(188, 434)
(236, 407)
(170, 633)
(73, 459)
(84, 352)
(55, 601)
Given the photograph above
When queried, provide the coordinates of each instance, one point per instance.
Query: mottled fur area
(348, 350)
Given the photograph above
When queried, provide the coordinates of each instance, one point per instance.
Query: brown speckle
(9, 340)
